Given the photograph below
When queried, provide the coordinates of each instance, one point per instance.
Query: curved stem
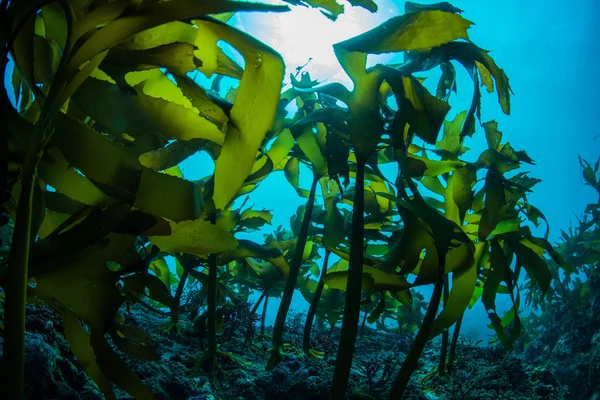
(345, 352)
(177, 298)
(212, 308)
(18, 263)
(362, 326)
(263, 317)
(310, 317)
(250, 328)
(444, 350)
(410, 362)
(290, 285)
(455, 336)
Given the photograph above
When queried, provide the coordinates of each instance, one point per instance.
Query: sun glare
(305, 34)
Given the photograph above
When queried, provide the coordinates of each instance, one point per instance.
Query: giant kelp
(106, 109)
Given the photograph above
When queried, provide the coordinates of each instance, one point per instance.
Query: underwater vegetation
(94, 204)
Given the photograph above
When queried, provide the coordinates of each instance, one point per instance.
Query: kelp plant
(104, 110)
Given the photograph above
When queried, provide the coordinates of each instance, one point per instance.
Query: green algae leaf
(461, 293)
(447, 82)
(419, 166)
(505, 226)
(535, 266)
(450, 146)
(500, 272)
(410, 7)
(496, 207)
(157, 290)
(117, 371)
(197, 237)
(253, 110)
(310, 147)
(334, 232)
(87, 227)
(366, 4)
(460, 191)
(330, 8)
(280, 149)
(161, 270)
(420, 110)
(52, 220)
(254, 219)
(377, 311)
(134, 342)
(292, 174)
(170, 155)
(147, 109)
(149, 15)
(492, 134)
(207, 105)
(178, 58)
(421, 30)
(67, 181)
(117, 168)
(79, 341)
(373, 278)
(248, 248)
(82, 284)
(477, 63)
(168, 196)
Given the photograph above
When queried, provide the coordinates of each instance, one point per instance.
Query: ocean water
(549, 50)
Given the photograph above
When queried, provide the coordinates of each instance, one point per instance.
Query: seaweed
(106, 109)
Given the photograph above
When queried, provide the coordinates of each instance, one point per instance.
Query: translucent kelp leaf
(366, 4)
(500, 272)
(419, 167)
(415, 31)
(52, 220)
(67, 181)
(255, 219)
(505, 226)
(178, 58)
(79, 341)
(151, 15)
(492, 134)
(309, 146)
(206, 107)
(410, 7)
(55, 23)
(161, 270)
(330, 8)
(373, 278)
(170, 155)
(461, 293)
(150, 286)
(168, 196)
(292, 173)
(196, 237)
(536, 267)
(280, 149)
(141, 113)
(253, 110)
(83, 285)
(451, 142)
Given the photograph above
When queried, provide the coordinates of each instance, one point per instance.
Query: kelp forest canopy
(106, 108)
